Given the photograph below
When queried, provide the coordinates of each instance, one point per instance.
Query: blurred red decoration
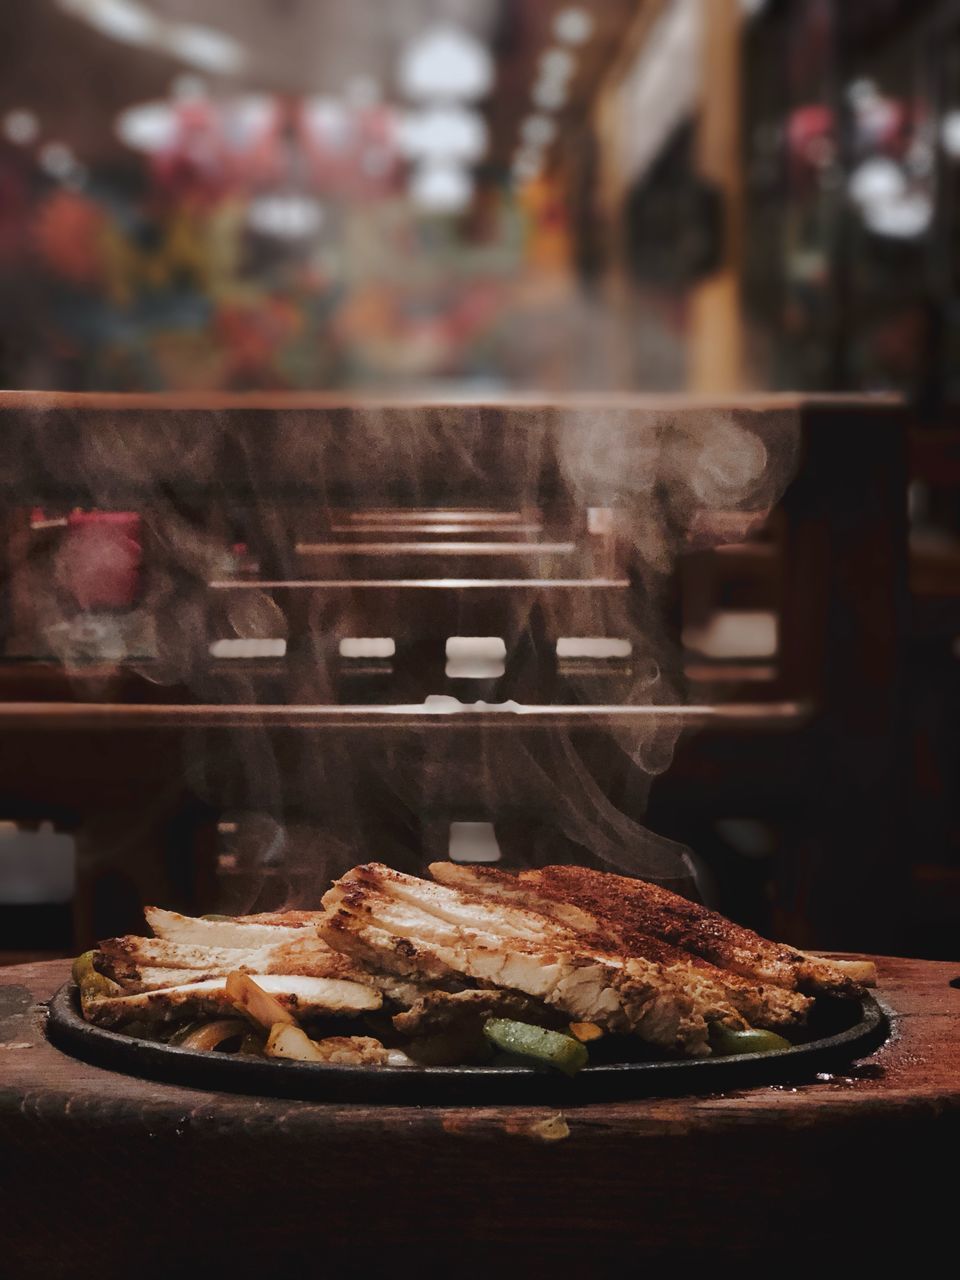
(100, 559)
(259, 143)
(69, 234)
(811, 142)
(352, 151)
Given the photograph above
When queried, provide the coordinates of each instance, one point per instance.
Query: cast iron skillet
(844, 1030)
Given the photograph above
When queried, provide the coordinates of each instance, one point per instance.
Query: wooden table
(105, 1174)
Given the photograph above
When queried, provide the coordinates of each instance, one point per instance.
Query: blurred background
(660, 194)
(485, 197)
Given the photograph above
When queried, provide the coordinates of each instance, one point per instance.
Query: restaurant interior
(485, 201)
(497, 433)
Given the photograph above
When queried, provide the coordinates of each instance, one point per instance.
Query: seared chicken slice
(145, 964)
(173, 927)
(300, 995)
(648, 908)
(769, 1007)
(412, 927)
(127, 959)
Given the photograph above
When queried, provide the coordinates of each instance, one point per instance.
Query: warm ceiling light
(21, 127)
(327, 121)
(557, 65)
(877, 181)
(446, 63)
(441, 188)
(123, 20)
(903, 219)
(573, 26)
(527, 165)
(549, 96)
(363, 92)
(205, 48)
(187, 88)
(285, 216)
(538, 130)
(444, 133)
(251, 116)
(950, 134)
(57, 160)
(150, 127)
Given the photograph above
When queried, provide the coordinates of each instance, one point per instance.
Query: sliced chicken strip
(144, 964)
(300, 995)
(174, 927)
(650, 909)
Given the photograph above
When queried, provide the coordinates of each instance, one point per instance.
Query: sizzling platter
(478, 985)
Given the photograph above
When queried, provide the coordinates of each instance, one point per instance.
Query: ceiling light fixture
(123, 20)
(444, 133)
(877, 181)
(538, 131)
(445, 63)
(557, 65)
(149, 127)
(285, 216)
(950, 134)
(21, 127)
(57, 160)
(548, 96)
(441, 188)
(573, 26)
(205, 48)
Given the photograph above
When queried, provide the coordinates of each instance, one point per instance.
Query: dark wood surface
(105, 1174)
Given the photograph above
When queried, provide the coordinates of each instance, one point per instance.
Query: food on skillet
(395, 970)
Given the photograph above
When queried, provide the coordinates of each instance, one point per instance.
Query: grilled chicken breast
(412, 927)
(600, 917)
(644, 909)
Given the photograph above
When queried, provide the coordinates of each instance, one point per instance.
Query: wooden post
(716, 357)
(843, 620)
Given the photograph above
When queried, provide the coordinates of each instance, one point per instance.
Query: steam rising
(633, 489)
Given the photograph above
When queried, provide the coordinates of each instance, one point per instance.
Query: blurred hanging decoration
(68, 234)
(21, 127)
(890, 185)
(556, 71)
(130, 22)
(950, 134)
(443, 141)
(441, 70)
(247, 241)
(446, 64)
(203, 147)
(811, 144)
(573, 26)
(351, 147)
(439, 187)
